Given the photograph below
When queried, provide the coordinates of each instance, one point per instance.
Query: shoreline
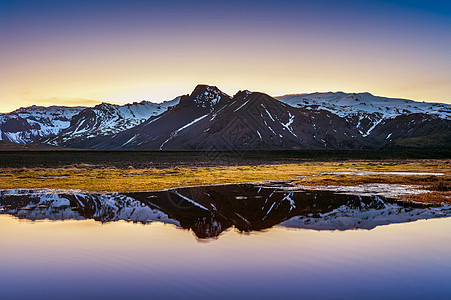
(433, 176)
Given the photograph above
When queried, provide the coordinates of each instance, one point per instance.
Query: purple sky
(85, 52)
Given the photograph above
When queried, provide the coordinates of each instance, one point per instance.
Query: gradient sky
(84, 52)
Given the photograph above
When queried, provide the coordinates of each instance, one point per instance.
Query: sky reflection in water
(87, 258)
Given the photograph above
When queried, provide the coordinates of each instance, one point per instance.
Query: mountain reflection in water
(210, 210)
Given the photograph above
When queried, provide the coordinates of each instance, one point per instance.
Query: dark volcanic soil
(162, 159)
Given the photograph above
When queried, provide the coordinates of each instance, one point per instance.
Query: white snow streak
(259, 135)
(174, 134)
(241, 106)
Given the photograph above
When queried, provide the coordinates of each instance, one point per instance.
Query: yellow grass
(110, 179)
(432, 197)
(92, 179)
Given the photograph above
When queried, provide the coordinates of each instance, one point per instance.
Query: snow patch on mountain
(109, 119)
(344, 104)
(210, 97)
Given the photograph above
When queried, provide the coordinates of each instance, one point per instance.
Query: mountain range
(209, 119)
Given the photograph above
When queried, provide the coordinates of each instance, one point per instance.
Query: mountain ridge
(107, 119)
(364, 109)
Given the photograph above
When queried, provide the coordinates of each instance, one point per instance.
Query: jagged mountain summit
(27, 124)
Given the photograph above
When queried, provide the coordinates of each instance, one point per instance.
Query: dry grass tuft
(432, 197)
(441, 185)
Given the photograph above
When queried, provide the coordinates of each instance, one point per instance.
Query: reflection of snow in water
(375, 189)
(345, 218)
(105, 207)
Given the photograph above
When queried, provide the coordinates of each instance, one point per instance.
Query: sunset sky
(85, 52)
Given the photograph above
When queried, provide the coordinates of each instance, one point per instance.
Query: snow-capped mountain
(365, 110)
(108, 119)
(27, 124)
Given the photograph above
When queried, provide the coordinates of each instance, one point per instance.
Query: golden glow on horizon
(117, 73)
(65, 237)
(51, 91)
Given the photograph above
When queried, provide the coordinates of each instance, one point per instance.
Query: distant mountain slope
(27, 124)
(365, 110)
(417, 130)
(108, 119)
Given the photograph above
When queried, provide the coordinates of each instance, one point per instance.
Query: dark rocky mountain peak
(242, 94)
(204, 96)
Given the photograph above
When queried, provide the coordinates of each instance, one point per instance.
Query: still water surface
(234, 241)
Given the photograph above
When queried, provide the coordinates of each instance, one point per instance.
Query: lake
(249, 241)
